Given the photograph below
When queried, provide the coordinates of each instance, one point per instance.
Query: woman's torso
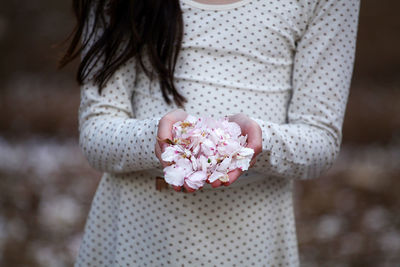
(233, 60)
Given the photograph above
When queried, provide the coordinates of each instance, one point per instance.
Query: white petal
(196, 148)
(224, 165)
(214, 137)
(194, 163)
(186, 166)
(196, 179)
(246, 152)
(214, 161)
(215, 175)
(243, 158)
(208, 147)
(234, 129)
(209, 123)
(202, 161)
(171, 153)
(242, 164)
(229, 147)
(191, 119)
(242, 139)
(174, 175)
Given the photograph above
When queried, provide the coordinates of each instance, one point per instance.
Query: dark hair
(154, 26)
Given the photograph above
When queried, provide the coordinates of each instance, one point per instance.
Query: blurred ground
(349, 217)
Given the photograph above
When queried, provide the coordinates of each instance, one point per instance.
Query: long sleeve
(110, 136)
(309, 142)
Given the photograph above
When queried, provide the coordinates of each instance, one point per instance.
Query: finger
(177, 114)
(254, 141)
(164, 132)
(216, 183)
(177, 188)
(233, 176)
(157, 150)
(188, 189)
(158, 154)
(253, 161)
(166, 123)
(252, 129)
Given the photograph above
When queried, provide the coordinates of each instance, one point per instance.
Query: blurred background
(349, 217)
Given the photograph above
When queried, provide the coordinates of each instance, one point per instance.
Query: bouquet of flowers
(204, 149)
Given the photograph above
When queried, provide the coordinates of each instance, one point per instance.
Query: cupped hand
(165, 132)
(248, 126)
(254, 141)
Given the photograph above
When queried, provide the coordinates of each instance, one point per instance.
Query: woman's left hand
(254, 141)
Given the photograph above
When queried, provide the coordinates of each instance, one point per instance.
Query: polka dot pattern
(286, 64)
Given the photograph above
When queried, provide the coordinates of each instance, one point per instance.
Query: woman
(281, 69)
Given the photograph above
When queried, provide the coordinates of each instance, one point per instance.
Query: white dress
(285, 63)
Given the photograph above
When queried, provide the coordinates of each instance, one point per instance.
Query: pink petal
(207, 147)
(202, 162)
(191, 119)
(186, 165)
(171, 153)
(246, 152)
(233, 129)
(196, 179)
(214, 176)
(174, 175)
(224, 165)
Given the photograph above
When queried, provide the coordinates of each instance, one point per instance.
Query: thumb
(163, 146)
(252, 162)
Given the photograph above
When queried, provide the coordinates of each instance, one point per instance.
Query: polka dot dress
(287, 64)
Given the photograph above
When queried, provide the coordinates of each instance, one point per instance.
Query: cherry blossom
(205, 149)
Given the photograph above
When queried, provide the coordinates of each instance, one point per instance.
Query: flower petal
(196, 179)
(224, 165)
(174, 175)
(193, 160)
(171, 153)
(246, 152)
(233, 129)
(208, 147)
(216, 175)
(186, 166)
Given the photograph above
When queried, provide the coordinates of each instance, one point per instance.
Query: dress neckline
(215, 6)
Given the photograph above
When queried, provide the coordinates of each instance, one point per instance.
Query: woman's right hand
(165, 132)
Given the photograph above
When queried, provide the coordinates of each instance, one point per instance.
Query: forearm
(119, 145)
(296, 150)
(308, 143)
